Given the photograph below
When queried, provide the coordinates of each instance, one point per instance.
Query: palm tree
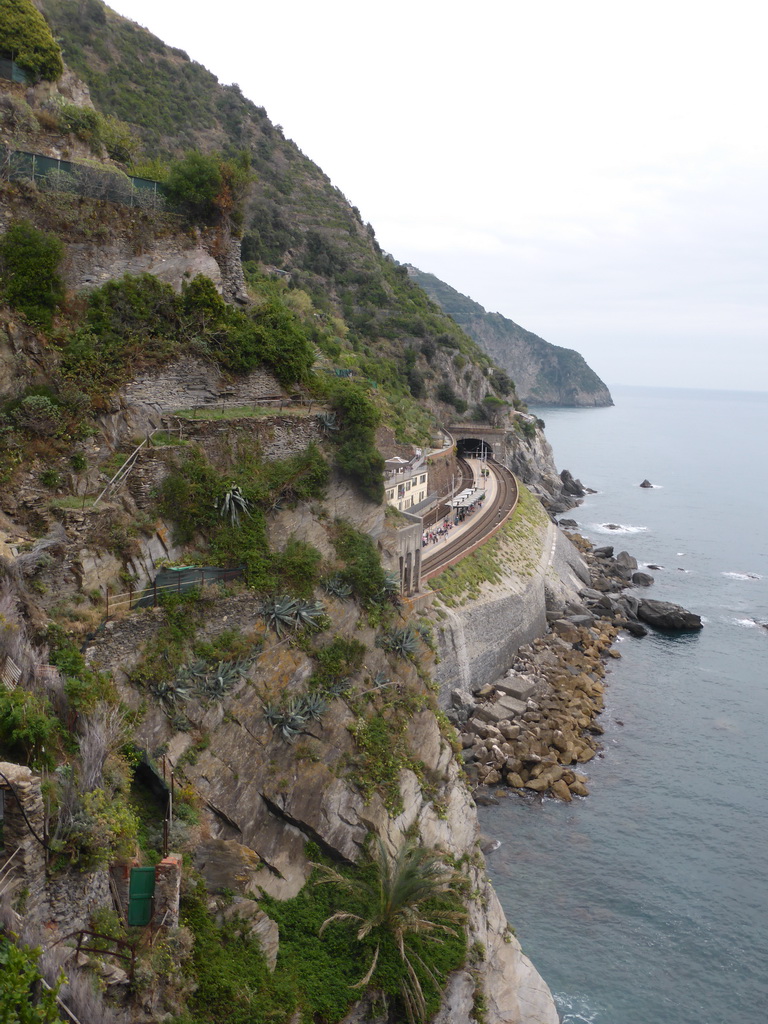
(400, 902)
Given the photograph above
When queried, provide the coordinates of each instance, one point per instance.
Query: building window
(423, 478)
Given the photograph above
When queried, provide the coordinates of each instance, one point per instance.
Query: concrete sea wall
(477, 641)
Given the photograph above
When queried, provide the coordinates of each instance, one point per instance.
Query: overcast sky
(594, 170)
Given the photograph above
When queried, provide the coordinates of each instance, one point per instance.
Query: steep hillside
(295, 221)
(544, 374)
(213, 669)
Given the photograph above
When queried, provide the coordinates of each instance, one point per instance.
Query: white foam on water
(748, 623)
(620, 528)
(575, 1010)
(742, 575)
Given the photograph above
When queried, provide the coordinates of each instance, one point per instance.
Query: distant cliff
(544, 374)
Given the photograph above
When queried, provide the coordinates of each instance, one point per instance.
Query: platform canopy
(467, 498)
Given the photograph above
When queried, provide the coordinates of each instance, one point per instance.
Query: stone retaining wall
(190, 382)
(277, 437)
(74, 896)
(21, 852)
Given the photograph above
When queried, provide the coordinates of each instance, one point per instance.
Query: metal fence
(168, 582)
(98, 181)
(11, 71)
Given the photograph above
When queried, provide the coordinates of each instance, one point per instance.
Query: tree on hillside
(407, 894)
(29, 271)
(25, 37)
(209, 188)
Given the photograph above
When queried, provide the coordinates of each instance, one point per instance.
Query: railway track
(481, 527)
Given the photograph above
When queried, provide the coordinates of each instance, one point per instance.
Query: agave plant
(313, 706)
(337, 586)
(380, 679)
(289, 720)
(425, 631)
(212, 681)
(308, 614)
(233, 505)
(403, 642)
(168, 694)
(328, 422)
(279, 613)
(391, 582)
(274, 713)
(338, 687)
(277, 504)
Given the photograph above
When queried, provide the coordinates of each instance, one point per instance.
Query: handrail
(126, 467)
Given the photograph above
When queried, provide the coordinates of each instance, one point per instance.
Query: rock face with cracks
(264, 798)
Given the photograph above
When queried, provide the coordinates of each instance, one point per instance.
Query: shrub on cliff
(21, 978)
(356, 454)
(139, 321)
(25, 36)
(208, 188)
(29, 272)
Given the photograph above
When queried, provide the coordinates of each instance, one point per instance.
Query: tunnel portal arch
(473, 448)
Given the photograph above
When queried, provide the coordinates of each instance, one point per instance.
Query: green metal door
(140, 893)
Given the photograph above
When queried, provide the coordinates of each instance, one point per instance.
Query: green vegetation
(414, 911)
(191, 495)
(362, 569)
(407, 896)
(26, 37)
(383, 752)
(355, 437)
(104, 830)
(29, 272)
(28, 728)
(22, 977)
(336, 662)
(208, 188)
(83, 687)
(139, 321)
(167, 651)
(98, 131)
(232, 980)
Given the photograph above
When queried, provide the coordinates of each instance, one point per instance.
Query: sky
(595, 171)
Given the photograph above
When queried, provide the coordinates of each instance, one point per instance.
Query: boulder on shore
(667, 616)
(642, 579)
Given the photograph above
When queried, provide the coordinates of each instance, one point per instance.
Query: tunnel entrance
(474, 448)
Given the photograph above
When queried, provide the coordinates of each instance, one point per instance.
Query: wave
(742, 575)
(749, 623)
(574, 1009)
(618, 528)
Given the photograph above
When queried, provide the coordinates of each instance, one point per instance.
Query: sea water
(647, 902)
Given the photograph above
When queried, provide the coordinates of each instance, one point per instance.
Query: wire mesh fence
(168, 582)
(82, 178)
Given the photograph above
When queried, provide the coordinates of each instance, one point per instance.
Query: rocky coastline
(533, 730)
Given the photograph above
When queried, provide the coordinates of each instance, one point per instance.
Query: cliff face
(544, 374)
(264, 798)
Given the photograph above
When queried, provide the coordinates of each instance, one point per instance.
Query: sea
(647, 901)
